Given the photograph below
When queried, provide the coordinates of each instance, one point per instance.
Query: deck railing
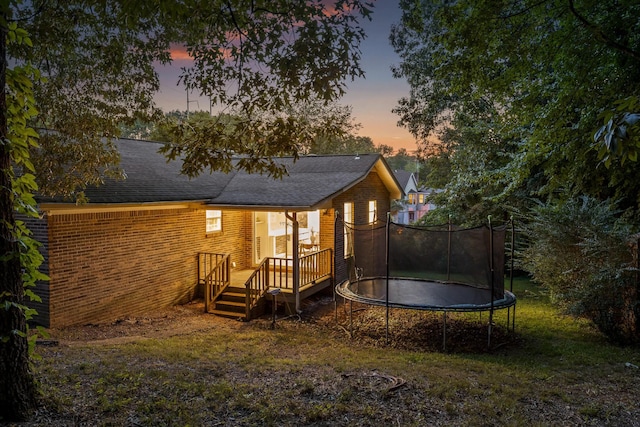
(315, 267)
(214, 272)
(281, 273)
(278, 273)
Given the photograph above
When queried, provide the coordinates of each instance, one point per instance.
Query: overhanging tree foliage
(516, 90)
(97, 60)
(255, 58)
(324, 128)
(537, 100)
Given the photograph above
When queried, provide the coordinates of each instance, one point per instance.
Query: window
(372, 210)
(412, 198)
(214, 221)
(421, 198)
(348, 231)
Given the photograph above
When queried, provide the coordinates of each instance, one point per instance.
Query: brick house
(158, 238)
(417, 200)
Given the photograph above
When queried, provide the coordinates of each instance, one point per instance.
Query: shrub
(586, 255)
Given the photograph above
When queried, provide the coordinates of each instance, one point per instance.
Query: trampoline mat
(422, 294)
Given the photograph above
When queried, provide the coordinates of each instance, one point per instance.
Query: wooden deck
(240, 277)
(243, 293)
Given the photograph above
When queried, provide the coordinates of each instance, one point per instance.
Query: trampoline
(438, 268)
(421, 294)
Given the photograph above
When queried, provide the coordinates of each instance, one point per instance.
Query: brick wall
(327, 224)
(109, 265)
(372, 188)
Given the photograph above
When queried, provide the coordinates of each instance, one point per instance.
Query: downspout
(296, 257)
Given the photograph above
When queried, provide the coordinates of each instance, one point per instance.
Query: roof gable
(407, 180)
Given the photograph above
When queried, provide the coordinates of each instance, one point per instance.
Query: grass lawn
(183, 367)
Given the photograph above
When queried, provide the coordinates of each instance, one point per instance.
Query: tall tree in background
(516, 90)
(329, 129)
(332, 129)
(97, 59)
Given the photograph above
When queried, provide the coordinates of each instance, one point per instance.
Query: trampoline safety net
(446, 253)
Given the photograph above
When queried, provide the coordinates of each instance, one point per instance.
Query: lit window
(214, 221)
(421, 198)
(412, 198)
(348, 231)
(372, 211)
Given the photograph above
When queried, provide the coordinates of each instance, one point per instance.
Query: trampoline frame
(508, 301)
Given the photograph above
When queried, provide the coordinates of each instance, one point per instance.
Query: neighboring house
(416, 202)
(158, 238)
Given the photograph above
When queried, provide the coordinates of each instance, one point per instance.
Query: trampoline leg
(387, 327)
(489, 329)
(351, 319)
(444, 331)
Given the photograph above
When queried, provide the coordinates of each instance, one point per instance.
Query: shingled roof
(311, 182)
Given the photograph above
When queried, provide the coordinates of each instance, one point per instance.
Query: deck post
(296, 257)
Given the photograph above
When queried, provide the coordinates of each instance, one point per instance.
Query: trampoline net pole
(387, 279)
(449, 250)
(513, 247)
(491, 269)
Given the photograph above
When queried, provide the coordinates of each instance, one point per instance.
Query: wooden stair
(231, 303)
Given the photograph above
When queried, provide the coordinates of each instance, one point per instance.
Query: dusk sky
(372, 98)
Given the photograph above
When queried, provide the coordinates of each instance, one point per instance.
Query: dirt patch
(365, 325)
(161, 323)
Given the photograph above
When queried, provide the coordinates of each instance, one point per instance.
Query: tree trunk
(17, 386)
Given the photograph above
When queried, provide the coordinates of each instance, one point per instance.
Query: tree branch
(523, 11)
(600, 35)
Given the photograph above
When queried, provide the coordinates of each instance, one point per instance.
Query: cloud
(179, 53)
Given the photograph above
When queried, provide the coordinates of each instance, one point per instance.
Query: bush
(586, 255)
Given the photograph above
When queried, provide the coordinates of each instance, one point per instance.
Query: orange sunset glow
(179, 53)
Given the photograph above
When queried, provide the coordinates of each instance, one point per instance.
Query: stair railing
(256, 286)
(214, 272)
